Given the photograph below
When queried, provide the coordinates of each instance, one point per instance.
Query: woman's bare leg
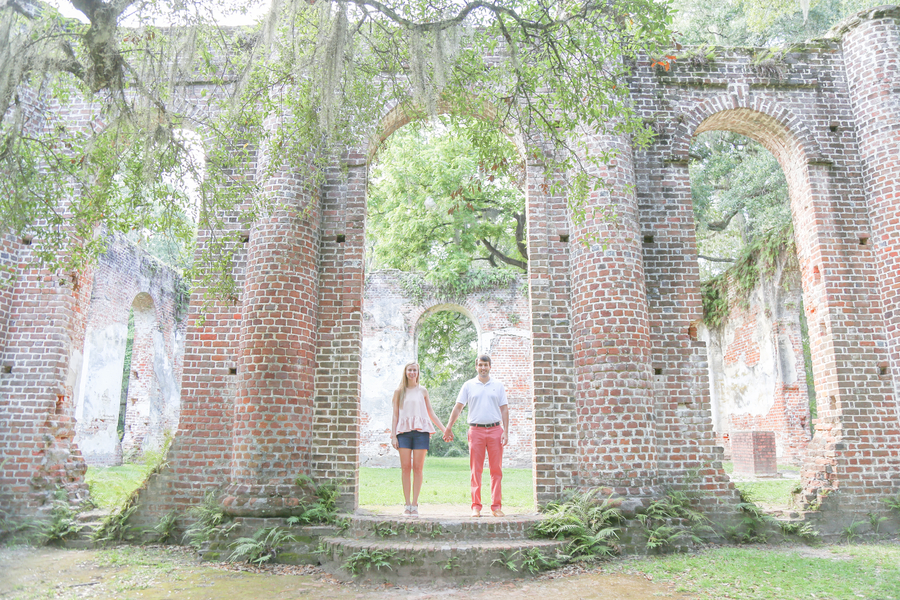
(418, 464)
(406, 468)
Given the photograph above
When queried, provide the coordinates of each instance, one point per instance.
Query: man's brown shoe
(476, 512)
(497, 513)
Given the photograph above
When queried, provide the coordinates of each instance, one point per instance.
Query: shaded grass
(771, 491)
(777, 492)
(111, 486)
(446, 481)
(832, 573)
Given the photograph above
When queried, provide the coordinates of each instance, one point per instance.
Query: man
(488, 410)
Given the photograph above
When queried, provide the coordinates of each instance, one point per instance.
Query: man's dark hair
(484, 358)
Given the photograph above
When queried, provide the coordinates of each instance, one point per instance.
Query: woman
(413, 418)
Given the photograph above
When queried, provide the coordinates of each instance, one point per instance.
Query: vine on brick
(756, 262)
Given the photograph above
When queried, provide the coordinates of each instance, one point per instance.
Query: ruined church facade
(620, 389)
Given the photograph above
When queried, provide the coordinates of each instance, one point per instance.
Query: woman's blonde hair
(404, 381)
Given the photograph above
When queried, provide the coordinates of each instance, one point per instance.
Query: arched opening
(446, 225)
(760, 368)
(143, 395)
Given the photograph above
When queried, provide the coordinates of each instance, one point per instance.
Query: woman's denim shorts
(414, 440)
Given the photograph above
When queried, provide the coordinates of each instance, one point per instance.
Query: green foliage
(384, 529)
(261, 547)
(62, 523)
(759, 23)
(671, 523)
(208, 518)
(804, 531)
(851, 532)
(418, 287)
(324, 509)
(532, 561)
(164, 531)
(437, 204)
(115, 527)
(893, 503)
(367, 560)
(754, 526)
(590, 527)
(320, 73)
(756, 262)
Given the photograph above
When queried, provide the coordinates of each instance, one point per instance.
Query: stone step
(394, 528)
(452, 561)
(89, 522)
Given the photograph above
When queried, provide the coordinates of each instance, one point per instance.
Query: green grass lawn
(772, 573)
(769, 492)
(111, 486)
(446, 481)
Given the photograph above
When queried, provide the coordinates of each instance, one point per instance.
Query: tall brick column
(273, 410)
(610, 326)
(555, 433)
(872, 52)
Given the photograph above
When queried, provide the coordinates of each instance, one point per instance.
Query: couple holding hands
(414, 420)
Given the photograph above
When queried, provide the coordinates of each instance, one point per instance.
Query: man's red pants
(489, 439)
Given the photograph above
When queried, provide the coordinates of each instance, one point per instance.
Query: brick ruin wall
(389, 341)
(272, 377)
(757, 371)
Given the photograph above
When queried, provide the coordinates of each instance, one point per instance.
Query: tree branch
(502, 257)
(714, 259)
(722, 224)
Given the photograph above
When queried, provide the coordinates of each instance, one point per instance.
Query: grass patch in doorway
(446, 481)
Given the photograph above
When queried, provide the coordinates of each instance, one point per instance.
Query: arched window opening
(760, 370)
(446, 261)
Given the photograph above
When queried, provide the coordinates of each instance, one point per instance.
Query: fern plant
(366, 560)
(261, 547)
(754, 526)
(671, 521)
(324, 509)
(115, 527)
(62, 523)
(164, 531)
(589, 527)
(208, 518)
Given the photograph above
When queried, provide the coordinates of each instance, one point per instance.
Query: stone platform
(436, 547)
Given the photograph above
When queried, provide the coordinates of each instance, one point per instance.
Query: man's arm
(504, 415)
(454, 415)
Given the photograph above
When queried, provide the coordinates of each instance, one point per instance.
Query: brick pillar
(555, 435)
(614, 404)
(272, 432)
(339, 349)
(872, 51)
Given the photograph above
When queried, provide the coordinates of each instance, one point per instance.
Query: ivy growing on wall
(756, 262)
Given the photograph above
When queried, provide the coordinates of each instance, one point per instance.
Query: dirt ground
(174, 572)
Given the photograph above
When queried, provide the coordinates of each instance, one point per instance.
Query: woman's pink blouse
(413, 414)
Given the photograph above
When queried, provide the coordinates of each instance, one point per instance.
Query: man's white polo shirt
(484, 400)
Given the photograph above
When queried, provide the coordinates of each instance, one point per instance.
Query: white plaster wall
(383, 358)
(747, 386)
(99, 392)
